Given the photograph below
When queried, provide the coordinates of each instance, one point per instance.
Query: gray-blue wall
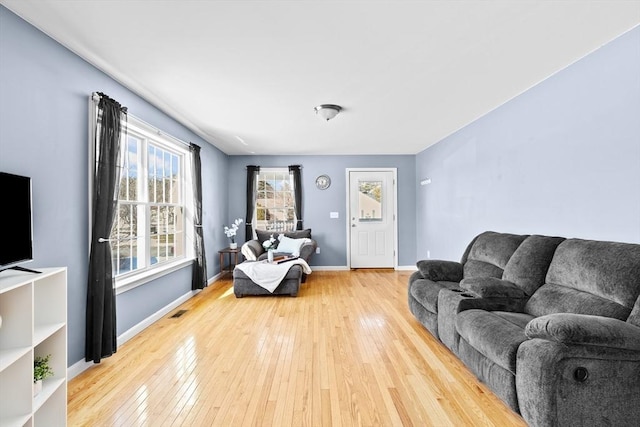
(561, 159)
(44, 90)
(331, 233)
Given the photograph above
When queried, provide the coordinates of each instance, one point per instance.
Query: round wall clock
(323, 182)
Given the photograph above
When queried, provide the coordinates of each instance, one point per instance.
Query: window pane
(370, 200)
(124, 239)
(129, 172)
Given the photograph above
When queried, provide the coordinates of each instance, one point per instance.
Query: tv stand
(26, 270)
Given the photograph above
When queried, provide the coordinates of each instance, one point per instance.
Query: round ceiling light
(328, 111)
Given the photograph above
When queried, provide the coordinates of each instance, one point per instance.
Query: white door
(372, 218)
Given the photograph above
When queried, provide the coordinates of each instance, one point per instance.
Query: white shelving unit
(34, 323)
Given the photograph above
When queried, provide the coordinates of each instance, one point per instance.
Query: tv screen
(15, 215)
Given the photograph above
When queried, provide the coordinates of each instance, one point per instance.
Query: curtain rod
(95, 96)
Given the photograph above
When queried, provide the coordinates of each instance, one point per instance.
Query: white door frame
(395, 210)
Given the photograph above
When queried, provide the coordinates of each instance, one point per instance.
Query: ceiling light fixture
(328, 111)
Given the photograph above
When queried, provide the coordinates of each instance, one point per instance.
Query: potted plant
(232, 231)
(41, 371)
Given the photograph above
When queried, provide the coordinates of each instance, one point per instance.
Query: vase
(233, 245)
(270, 255)
(37, 387)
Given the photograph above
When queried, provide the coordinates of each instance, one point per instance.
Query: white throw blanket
(269, 276)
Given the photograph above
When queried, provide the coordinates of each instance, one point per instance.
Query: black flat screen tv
(16, 216)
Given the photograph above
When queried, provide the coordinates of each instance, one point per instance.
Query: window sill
(130, 282)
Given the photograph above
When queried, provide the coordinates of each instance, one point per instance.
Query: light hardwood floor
(345, 352)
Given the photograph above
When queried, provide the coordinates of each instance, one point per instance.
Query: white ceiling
(407, 73)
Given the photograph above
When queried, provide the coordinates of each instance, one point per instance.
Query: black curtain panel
(199, 275)
(101, 338)
(294, 171)
(252, 172)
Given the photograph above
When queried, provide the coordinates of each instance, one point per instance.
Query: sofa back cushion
(590, 277)
(528, 265)
(490, 253)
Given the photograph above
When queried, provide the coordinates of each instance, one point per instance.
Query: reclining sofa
(551, 325)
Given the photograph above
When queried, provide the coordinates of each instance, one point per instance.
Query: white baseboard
(407, 268)
(77, 368)
(329, 267)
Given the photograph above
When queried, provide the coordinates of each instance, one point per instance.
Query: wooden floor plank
(345, 352)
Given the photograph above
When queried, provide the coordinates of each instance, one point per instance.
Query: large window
(149, 229)
(275, 202)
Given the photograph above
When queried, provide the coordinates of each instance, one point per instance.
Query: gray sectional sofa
(551, 325)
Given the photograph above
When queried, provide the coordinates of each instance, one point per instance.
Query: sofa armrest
(438, 270)
(491, 287)
(252, 250)
(573, 385)
(582, 329)
(308, 249)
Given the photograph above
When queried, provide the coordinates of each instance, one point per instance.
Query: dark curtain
(252, 172)
(101, 338)
(199, 274)
(294, 171)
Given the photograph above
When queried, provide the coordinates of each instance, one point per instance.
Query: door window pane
(370, 200)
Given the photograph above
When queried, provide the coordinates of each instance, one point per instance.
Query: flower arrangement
(267, 244)
(233, 230)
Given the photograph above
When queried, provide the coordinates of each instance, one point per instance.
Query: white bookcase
(34, 323)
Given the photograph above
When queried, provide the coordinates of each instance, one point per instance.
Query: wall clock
(323, 182)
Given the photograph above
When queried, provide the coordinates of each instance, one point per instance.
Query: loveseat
(556, 334)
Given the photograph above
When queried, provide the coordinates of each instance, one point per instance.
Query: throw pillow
(299, 234)
(291, 246)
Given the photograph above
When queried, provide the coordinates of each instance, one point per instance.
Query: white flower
(232, 231)
(268, 243)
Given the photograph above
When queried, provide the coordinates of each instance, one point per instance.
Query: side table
(234, 259)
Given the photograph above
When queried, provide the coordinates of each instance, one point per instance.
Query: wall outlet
(429, 254)
(334, 215)
(317, 250)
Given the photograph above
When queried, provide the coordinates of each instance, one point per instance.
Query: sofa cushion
(473, 268)
(494, 334)
(608, 270)
(528, 266)
(490, 254)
